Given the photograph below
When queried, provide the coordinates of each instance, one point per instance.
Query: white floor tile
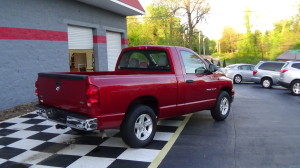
(174, 123)
(114, 142)
(79, 150)
(26, 144)
(31, 157)
(56, 131)
(22, 134)
(163, 136)
(17, 120)
(144, 155)
(20, 126)
(47, 122)
(64, 138)
(2, 161)
(91, 162)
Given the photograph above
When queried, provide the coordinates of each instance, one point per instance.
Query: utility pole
(204, 46)
(199, 40)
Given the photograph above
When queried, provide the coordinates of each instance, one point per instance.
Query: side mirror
(212, 68)
(200, 70)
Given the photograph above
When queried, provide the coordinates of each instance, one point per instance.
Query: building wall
(33, 39)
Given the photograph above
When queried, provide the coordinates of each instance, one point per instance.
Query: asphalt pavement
(261, 131)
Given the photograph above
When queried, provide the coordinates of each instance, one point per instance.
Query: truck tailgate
(65, 91)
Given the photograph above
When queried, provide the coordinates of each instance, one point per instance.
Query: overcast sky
(231, 13)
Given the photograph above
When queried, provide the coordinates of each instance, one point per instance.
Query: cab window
(192, 63)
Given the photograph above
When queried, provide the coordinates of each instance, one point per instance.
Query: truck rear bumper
(67, 118)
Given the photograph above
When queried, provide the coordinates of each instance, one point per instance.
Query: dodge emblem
(57, 88)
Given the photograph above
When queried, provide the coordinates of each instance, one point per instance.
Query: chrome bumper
(66, 118)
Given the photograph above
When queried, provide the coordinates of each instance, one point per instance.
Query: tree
(194, 10)
(229, 40)
(224, 62)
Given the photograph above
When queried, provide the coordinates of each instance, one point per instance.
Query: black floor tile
(154, 144)
(6, 124)
(109, 152)
(89, 140)
(7, 140)
(29, 116)
(166, 128)
(34, 121)
(38, 128)
(127, 163)
(44, 136)
(10, 164)
(5, 132)
(59, 160)
(49, 147)
(8, 153)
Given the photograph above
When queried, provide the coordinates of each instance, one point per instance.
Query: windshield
(145, 60)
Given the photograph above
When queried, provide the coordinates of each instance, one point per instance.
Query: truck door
(198, 83)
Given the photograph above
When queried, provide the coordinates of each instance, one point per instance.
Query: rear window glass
(271, 66)
(296, 65)
(145, 60)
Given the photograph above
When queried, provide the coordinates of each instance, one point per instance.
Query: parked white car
(239, 72)
(290, 76)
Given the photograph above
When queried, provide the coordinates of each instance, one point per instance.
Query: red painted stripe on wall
(124, 41)
(99, 39)
(9, 33)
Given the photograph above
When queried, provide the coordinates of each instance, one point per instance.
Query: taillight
(284, 70)
(36, 90)
(255, 72)
(92, 95)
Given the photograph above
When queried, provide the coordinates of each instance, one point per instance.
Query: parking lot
(261, 131)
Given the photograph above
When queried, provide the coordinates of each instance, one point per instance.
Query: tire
(266, 83)
(222, 108)
(237, 79)
(295, 88)
(139, 126)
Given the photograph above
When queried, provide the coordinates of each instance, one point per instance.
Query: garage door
(113, 49)
(80, 37)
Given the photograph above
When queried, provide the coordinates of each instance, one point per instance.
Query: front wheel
(237, 79)
(295, 88)
(222, 108)
(266, 83)
(139, 126)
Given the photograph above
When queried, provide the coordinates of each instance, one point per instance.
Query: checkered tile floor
(31, 141)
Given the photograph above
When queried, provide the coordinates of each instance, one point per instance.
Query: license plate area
(57, 115)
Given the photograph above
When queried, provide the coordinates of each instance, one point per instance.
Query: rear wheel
(266, 83)
(295, 88)
(139, 126)
(222, 107)
(237, 79)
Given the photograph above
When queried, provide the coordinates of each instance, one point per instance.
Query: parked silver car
(290, 76)
(239, 72)
(267, 73)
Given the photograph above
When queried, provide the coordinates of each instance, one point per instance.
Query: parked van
(267, 73)
(290, 76)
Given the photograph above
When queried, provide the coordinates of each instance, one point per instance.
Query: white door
(80, 37)
(114, 48)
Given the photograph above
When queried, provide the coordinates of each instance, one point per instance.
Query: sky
(231, 13)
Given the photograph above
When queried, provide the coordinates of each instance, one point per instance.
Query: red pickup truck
(149, 83)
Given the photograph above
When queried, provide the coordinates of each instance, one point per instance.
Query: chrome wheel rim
(237, 79)
(143, 127)
(296, 88)
(224, 106)
(266, 83)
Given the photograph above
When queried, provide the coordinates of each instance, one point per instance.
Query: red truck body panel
(119, 89)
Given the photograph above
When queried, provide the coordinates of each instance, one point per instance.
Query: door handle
(189, 81)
